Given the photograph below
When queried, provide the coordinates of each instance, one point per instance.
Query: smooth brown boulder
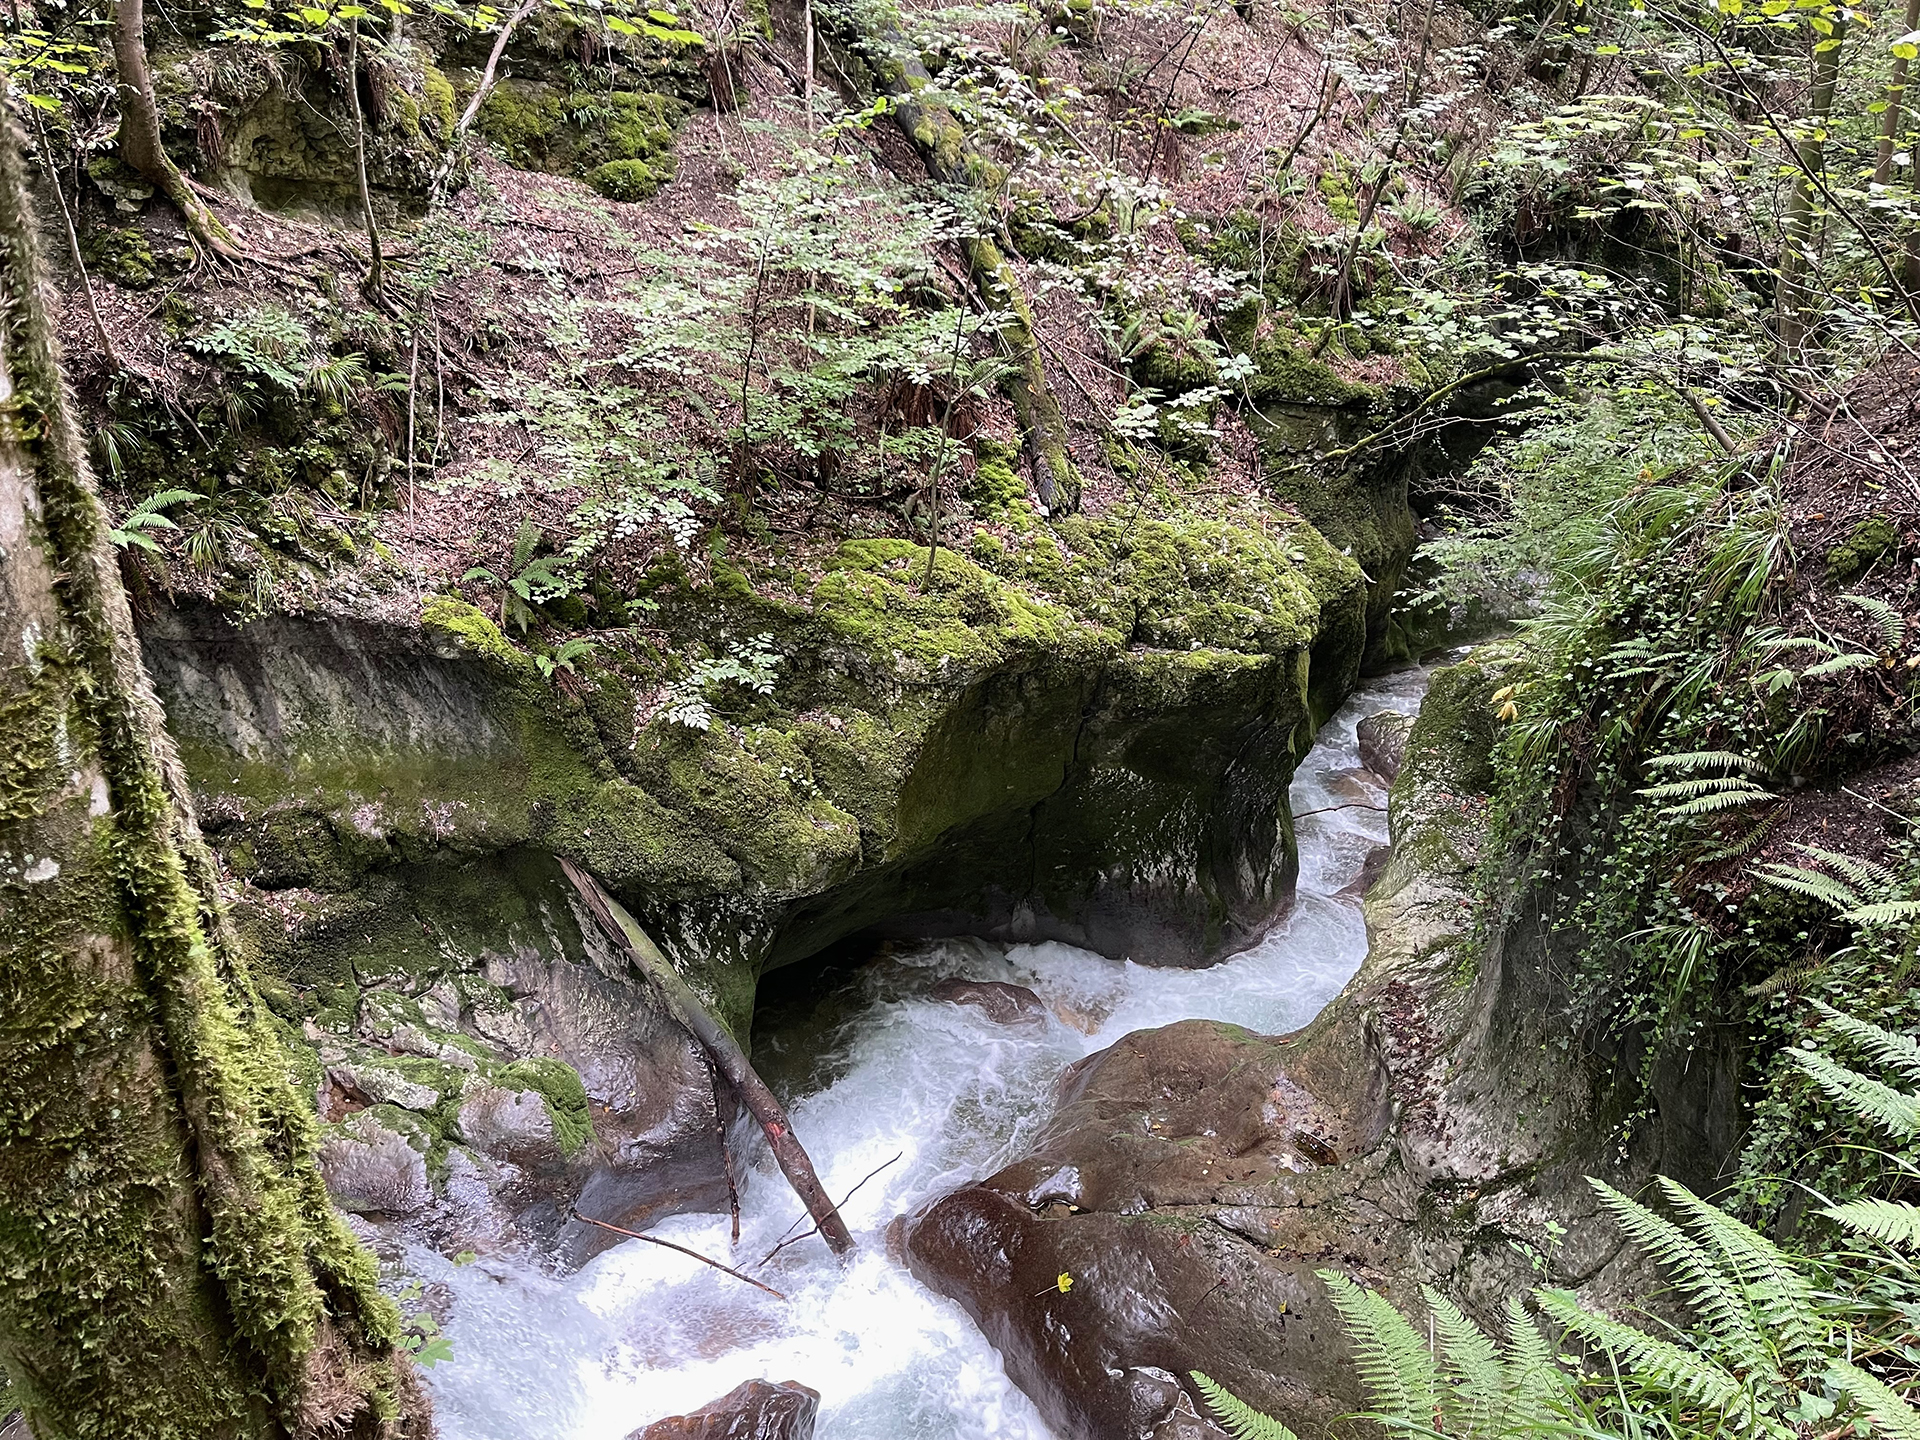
(757, 1410)
(1189, 1184)
(1005, 1004)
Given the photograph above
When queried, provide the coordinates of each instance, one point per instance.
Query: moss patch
(1871, 540)
(622, 143)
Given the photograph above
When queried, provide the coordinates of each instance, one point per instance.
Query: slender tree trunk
(951, 159)
(1793, 298)
(172, 1264)
(489, 75)
(140, 143)
(1896, 96)
(376, 281)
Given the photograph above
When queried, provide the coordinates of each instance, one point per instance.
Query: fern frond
(1886, 912)
(1707, 760)
(1889, 1047)
(1727, 799)
(1811, 883)
(1893, 1222)
(1706, 785)
(1854, 867)
(1891, 624)
(1715, 1294)
(1475, 1389)
(1778, 1294)
(1241, 1420)
(1868, 1100)
(1532, 1375)
(1876, 1399)
(1857, 660)
(1395, 1367)
(1675, 1368)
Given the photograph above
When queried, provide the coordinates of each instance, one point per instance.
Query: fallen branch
(1350, 805)
(728, 1058)
(796, 1239)
(669, 1245)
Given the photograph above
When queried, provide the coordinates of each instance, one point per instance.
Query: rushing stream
(873, 1068)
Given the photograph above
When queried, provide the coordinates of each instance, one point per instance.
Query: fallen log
(687, 1008)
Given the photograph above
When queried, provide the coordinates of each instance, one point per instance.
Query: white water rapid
(641, 1332)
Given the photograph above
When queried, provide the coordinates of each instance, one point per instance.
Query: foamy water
(642, 1332)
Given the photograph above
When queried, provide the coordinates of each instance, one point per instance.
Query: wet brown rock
(1005, 1004)
(1183, 1186)
(1383, 743)
(757, 1410)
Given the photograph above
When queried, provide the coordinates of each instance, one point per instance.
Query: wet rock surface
(1383, 743)
(1188, 1186)
(757, 1410)
(1007, 1004)
(1424, 1129)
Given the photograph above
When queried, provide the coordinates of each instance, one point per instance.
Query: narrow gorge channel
(874, 1065)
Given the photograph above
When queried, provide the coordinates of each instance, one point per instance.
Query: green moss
(438, 105)
(121, 255)
(559, 1085)
(1866, 545)
(629, 180)
(997, 486)
(1287, 377)
(621, 142)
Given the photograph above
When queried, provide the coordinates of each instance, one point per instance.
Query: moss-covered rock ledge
(1083, 732)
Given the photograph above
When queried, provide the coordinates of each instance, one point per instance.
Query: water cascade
(874, 1067)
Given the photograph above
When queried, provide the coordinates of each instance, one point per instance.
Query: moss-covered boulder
(1082, 732)
(621, 143)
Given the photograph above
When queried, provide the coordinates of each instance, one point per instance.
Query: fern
(1902, 1052)
(1856, 660)
(1476, 1385)
(1812, 884)
(1715, 1294)
(1394, 1364)
(1892, 1222)
(1778, 1295)
(1869, 1100)
(1736, 794)
(1673, 1367)
(1891, 624)
(1241, 1420)
(1707, 760)
(1878, 1400)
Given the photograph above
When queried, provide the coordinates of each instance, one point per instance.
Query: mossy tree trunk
(951, 159)
(140, 143)
(172, 1268)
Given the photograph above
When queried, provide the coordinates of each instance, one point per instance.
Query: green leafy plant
(1777, 1343)
(148, 515)
(531, 579)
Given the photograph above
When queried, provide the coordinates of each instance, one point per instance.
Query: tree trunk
(172, 1264)
(375, 285)
(1793, 298)
(1896, 94)
(894, 70)
(140, 143)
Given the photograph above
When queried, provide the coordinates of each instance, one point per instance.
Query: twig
(796, 1239)
(1350, 805)
(669, 1245)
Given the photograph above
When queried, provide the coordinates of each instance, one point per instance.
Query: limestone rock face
(1086, 735)
(757, 1410)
